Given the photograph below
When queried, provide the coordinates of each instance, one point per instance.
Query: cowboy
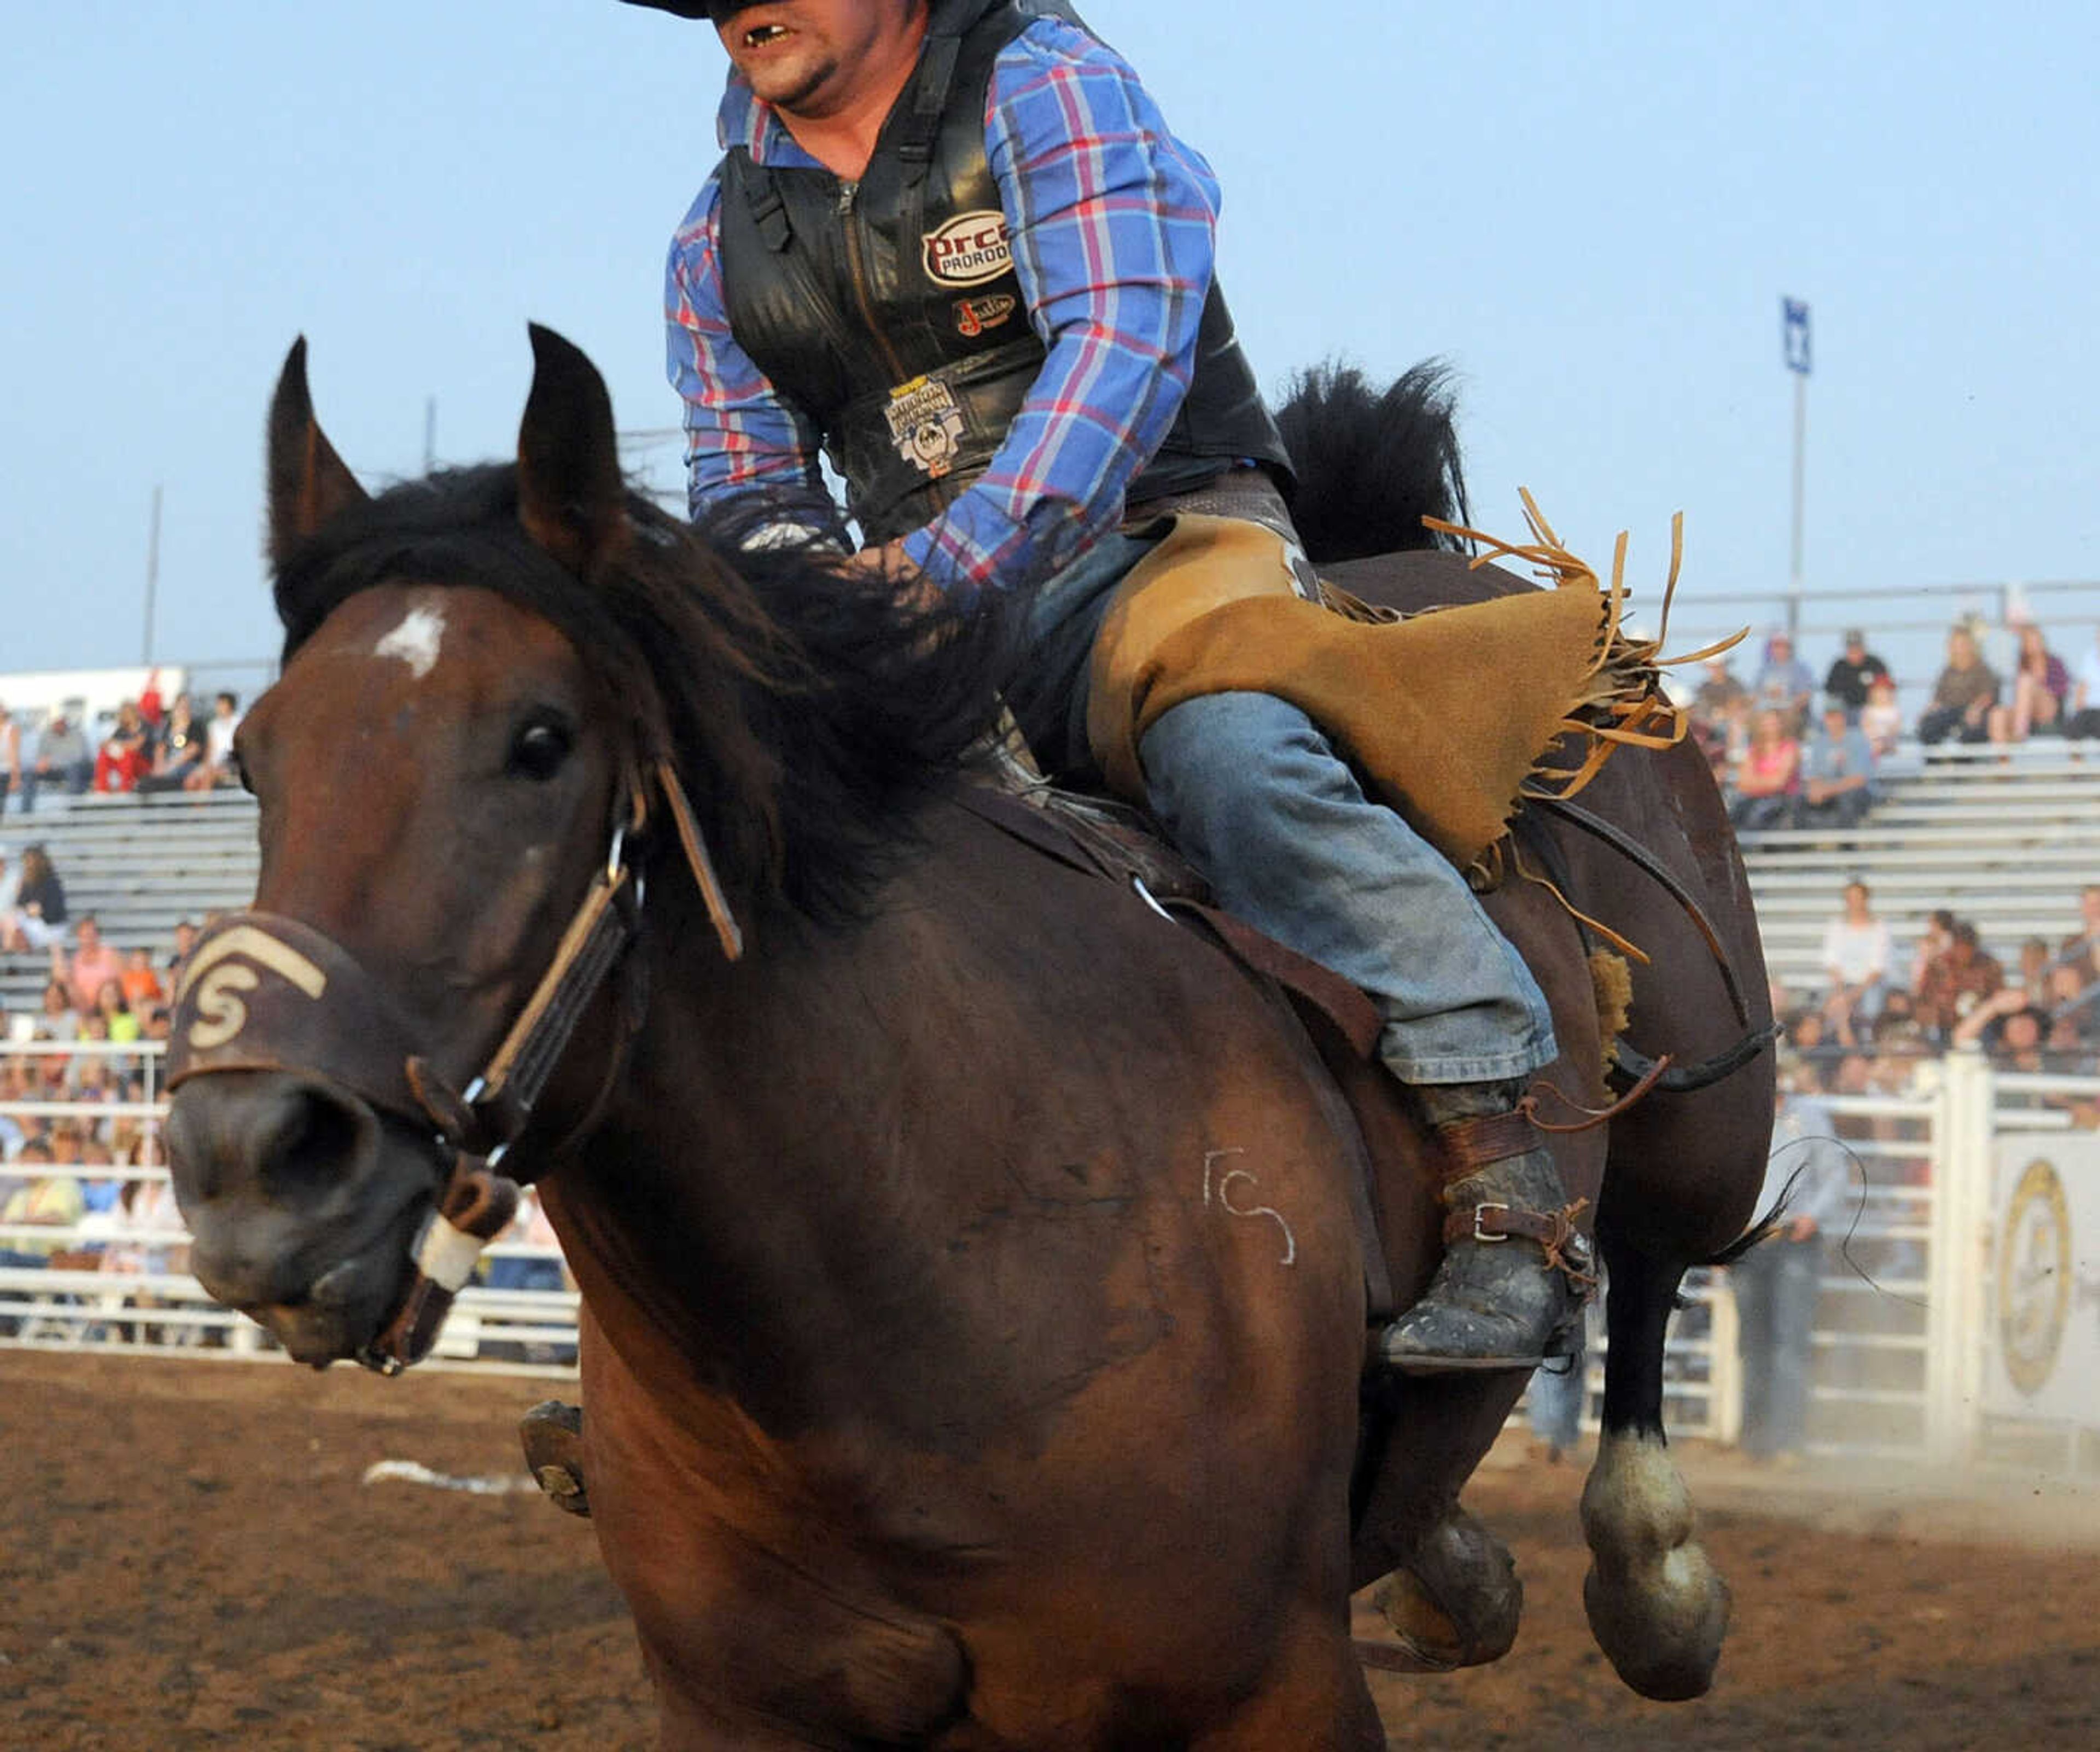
(954, 247)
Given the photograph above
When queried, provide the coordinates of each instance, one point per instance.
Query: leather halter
(263, 992)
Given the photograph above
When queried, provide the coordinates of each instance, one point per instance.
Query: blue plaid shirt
(1113, 225)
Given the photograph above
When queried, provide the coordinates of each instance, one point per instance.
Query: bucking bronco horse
(972, 1260)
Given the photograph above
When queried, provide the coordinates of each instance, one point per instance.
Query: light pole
(1794, 321)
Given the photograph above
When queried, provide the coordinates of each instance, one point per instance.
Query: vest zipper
(856, 266)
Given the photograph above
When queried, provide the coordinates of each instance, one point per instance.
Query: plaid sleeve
(1113, 227)
(741, 432)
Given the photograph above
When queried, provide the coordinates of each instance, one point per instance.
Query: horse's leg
(1657, 1606)
(1453, 1597)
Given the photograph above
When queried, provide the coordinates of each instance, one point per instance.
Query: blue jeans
(1251, 792)
(1776, 1286)
(1555, 1398)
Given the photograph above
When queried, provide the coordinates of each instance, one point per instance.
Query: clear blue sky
(1591, 209)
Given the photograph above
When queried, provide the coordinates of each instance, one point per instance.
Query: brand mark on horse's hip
(218, 982)
(1218, 1191)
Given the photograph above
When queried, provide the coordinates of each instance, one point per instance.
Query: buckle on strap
(1481, 1233)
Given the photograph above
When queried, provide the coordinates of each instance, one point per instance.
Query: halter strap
(251, 998)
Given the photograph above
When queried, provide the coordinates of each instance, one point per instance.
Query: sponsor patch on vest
(974, 316)
(926, 424)
(970, 248)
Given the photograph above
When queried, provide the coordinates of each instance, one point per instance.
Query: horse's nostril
(306, 1137)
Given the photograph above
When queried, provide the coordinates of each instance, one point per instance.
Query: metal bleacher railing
(94, 1256)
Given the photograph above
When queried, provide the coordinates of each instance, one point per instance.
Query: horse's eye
(538, 750)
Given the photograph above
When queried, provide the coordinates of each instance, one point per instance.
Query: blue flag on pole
(1795, 314)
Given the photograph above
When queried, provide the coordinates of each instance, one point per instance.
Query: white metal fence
(1909, 1313)
(113, 1274)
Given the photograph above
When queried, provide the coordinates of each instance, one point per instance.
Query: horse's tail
(1372, 463)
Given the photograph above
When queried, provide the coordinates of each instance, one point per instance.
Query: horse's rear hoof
(1657, 1605)
(553, 1436)
(1663, 1635)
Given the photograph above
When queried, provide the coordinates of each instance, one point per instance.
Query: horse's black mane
(809, 712)
(1372, 463)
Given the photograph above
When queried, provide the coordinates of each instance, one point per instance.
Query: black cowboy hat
(718, 9)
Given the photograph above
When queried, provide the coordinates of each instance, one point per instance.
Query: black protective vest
(889, 312)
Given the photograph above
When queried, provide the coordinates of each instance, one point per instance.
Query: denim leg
(1556, 1397)
(1255, 797)
(1776, 1287)
(1048, 697)
(1795, 1288)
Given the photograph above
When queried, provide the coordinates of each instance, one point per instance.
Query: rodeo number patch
(926, 424)
(970, 248)
(2034, 1278)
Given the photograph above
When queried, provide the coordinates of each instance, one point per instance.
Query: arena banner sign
(2044, 1344)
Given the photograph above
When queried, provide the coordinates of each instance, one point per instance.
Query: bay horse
(974, 1313)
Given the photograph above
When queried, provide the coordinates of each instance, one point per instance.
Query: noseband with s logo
(262, 992)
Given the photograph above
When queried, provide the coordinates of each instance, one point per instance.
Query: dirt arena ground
(188, 1559)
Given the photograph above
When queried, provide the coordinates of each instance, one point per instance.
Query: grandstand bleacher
(2006, 843)
(2004, 837)
(138, 864)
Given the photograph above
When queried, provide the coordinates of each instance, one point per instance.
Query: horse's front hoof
(553, 1436)
(1457, 1602)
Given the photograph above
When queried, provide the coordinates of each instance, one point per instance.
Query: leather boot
(1515, 1271)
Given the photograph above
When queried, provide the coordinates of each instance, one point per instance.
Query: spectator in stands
(1777, 1282)
(2082, 710)
(1932, 943)
(43, 1197)
(1857, 951)
(1784, 683)
(62, 758)
(92, 963)
(11, 773)
(1768, 777)
(1837, 774)
(38, 918)
(179, 751)
(123, 1026)
(1963, 695)
(2028, 991)
(1852, 673)
(185, 936)
(122, 761)
(1719, 716)
(2074, 1002)
(10, 880)
(58, 1020)
(218, 767)
(1881, 719)
(1957, 980)
(2019, 1044)
(2041, 684)
(142, 984)
(1719, 691)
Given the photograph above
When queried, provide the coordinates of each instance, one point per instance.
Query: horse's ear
(570, 497)
(309, 482)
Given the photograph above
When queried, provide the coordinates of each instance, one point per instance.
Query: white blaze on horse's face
(419, 637)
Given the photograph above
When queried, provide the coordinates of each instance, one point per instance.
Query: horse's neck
(774, 1123)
